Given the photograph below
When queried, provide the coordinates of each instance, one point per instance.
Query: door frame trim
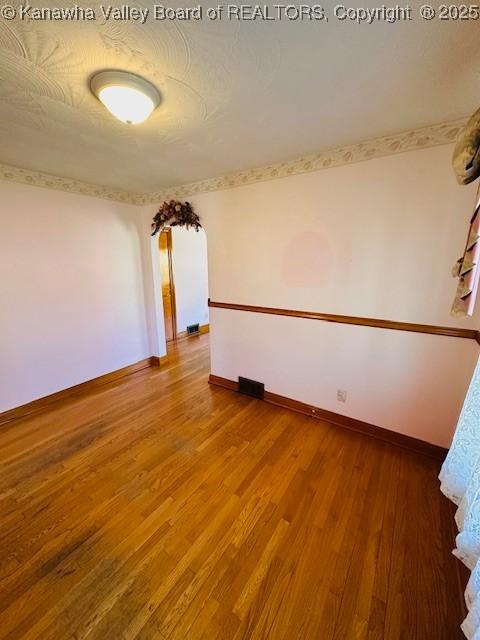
(173, 299)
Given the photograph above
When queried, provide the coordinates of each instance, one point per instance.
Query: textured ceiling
(236, 95)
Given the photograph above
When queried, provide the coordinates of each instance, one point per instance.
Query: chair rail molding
(451, 332)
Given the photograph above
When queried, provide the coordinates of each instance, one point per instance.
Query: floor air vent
(193, 328)
(251, 387)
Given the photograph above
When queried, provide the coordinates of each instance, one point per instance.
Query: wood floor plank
(159, 507)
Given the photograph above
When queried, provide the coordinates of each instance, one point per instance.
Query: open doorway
(184, 282)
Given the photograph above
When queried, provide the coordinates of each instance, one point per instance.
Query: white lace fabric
(460, 481)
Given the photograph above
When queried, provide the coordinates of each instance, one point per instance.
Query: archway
(184, 282)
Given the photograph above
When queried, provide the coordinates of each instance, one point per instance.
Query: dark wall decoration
(175, 214)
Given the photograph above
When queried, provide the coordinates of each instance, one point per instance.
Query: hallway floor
(159, 507)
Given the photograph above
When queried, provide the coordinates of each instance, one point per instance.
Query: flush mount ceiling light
(127, 96)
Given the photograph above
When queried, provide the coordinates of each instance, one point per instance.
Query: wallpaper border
(421, 138)
(38, 179)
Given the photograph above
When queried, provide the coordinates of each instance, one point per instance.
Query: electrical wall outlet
(341, 395)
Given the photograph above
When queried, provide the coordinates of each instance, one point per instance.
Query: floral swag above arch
(175, 214)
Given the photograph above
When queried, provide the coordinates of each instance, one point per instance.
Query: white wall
(80, 293)
(76, 292)
(377, 239)
(190, 273)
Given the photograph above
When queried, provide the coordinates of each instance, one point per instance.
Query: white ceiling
(236, 95)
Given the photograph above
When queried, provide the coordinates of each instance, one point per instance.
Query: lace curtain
(460, 481)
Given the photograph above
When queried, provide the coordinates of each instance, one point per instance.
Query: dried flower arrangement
(175, 214)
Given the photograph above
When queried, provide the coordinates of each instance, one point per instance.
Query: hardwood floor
(159, 507)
